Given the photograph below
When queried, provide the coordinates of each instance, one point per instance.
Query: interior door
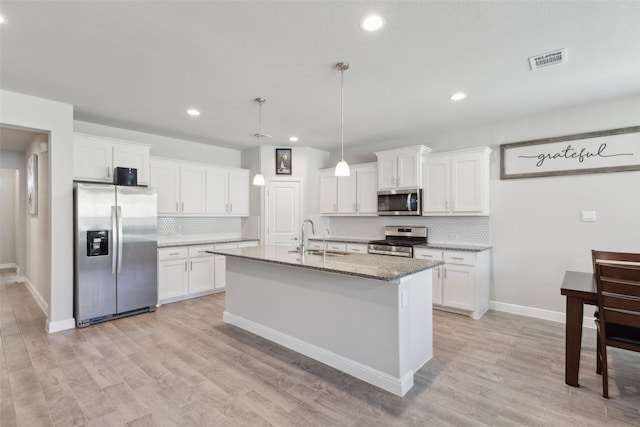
(283, 213)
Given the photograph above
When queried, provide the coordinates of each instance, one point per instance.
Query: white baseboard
(397, 386)
(9, 265)
(36, 295)
(538, 313)
(60, 325)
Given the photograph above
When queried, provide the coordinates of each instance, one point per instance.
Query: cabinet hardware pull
(453, 205)
(182, 206)
(108, 172)
(230, 207)
(191, 266)
(446, 205)
(177, 210)
(454, 257)
(174, 253)
(438, 272)
(445, 273)
(185, 266)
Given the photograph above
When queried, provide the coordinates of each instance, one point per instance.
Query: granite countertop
(471, 247)
(342, 239)
(379, 267)
(197, 239)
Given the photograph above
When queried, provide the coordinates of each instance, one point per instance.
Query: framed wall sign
(32, 184)
(283, 161)
(614, 150)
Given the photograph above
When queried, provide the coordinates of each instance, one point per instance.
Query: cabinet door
(435, 195)
(347, 194)
(239, 192)
(165, 178)
(220, 271)
(192, 189)
(217, 191)
(367, 191)
(201, 274)
(92, 159)
(173, 279)
(466, 183)
(438, 272)
(133, 156)
(387, 172)
(328, 194)
(408, 170)
(459, 287)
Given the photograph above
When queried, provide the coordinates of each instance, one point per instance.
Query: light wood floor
(183, 366)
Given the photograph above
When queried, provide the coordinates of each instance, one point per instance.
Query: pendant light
(342, 168)
(259, 178)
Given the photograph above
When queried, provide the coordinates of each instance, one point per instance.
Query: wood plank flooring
(183, 366)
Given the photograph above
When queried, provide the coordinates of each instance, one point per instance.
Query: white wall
(37, 271)
(8, 217)
(163, 146)
(15, 160)
(536, 230)
(305, 165)
(56, 118)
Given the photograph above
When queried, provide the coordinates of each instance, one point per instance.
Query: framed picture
(32, 184)
(283, 161)
(614, 150)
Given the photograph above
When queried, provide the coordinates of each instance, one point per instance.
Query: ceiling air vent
(548, 59)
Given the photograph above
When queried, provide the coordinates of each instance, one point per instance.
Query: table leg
(573, 340)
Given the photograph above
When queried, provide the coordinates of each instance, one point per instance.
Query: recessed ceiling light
(193, 112)
(2, 20)
(372, 23)
(458, 96)
(293, 139)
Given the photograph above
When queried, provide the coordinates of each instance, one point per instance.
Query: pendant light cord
(342, 112)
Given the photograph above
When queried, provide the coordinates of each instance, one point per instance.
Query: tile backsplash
(181, 226)
(467, 229)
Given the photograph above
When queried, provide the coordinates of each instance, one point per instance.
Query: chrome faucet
(313, 230)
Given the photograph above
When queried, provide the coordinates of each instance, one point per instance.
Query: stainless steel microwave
(400, 202)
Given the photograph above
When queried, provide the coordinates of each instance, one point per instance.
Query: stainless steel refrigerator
(115, 252)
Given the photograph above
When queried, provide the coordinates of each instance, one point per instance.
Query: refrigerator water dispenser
(97, 242)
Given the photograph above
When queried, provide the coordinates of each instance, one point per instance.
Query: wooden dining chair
(618, 322)
(610, 258)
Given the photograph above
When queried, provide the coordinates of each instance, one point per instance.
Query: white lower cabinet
(462, 283)
(186, 272)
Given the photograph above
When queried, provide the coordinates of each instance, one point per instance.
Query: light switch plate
(588, 216)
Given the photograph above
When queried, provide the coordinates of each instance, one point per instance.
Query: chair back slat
(618, 288)
(623, 318)
(614, 257)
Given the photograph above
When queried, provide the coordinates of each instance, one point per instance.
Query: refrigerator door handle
(119, 239)
(114, 240)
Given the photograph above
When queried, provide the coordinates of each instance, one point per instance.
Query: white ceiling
(141, 65)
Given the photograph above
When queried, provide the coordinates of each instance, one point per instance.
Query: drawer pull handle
(174, 253)
(453, 257)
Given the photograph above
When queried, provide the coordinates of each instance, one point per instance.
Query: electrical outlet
(588, 216)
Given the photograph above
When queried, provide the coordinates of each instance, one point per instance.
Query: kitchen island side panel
(378, 331)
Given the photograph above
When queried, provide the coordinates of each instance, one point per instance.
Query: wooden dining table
(580, 289)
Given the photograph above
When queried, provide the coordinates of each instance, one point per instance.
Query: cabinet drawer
(429, 254)
(465, 258)
(197, 251)
(249, 244)
(357, 248)
(315, 244)
(336, 247)
(165, 254)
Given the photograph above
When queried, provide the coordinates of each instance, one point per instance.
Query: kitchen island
(367, 315)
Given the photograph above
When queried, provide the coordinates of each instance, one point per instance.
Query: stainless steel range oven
(399, 241)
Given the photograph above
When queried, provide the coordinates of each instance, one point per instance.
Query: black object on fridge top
(126, 176)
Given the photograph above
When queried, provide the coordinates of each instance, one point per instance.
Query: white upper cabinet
(94, 158)
(227, 192)
(196, 189)
(457, 183)
(349, 195)
(401, 168)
